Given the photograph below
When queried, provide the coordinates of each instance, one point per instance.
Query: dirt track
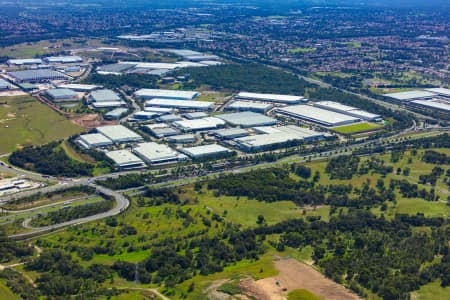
(296, 275)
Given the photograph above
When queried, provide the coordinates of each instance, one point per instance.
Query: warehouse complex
(145, 94)
(39, 75)
(437, 99)
(119, 134)
(348, 110)
(317, 115)
(283, 99)
(247, 119)
(153, 153)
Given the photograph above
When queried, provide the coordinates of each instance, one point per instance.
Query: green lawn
(302, 294)
(356, 128)
(432, 291)
(6, 293)
(25, 121)
(301, 50)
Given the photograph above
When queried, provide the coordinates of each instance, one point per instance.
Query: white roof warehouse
(119, 134)
(145, 94)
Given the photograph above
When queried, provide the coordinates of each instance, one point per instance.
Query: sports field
(356, 128)
(25, 121)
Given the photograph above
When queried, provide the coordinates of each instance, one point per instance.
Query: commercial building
(230, 133)
(63, 59)
(277, 137)
(153, 153)
(205, 151)
(24, 62)
(94, 140)
(199, 124)
(39, 75)
(182, 139)
(317, 115)
(161, 130)
(124, 159)
(348, 110)
(119, 134)
(247, 119)
(277, 98)
(440, 91)
(182, 105)
(62, 95)
(195, 115)
(170, 118)
(145, 94)
(410, 95)
(259, 107)
(115, 114)
(436, 104)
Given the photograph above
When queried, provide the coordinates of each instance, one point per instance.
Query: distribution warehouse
(37, 75)
(153, 153)
(284, 99)
(199, 124)
(94, 140)
(249, 106)
(119, 134)
(62, 95)
(205, 151)
(145, 94)
(347, 110)
(124, 159)
(186, 104)
(317, 115)
(247, 119)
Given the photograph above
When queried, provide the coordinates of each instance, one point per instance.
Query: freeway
(122, 204)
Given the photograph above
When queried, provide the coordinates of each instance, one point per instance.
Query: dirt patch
(295, 275)
(90, 121)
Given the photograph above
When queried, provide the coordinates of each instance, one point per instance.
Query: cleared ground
(25, 121)
(294, 275)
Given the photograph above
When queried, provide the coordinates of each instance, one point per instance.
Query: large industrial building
(161, 130)
(247, 119)
(317, 115)
(199, 152)
(4, 85)
(116, 114)
(440, 91)
(183, 105)
(276, 137)
(62, 95)
(159, 110)
(145, 94)
(24, 61)
(283, 99)
(436, 104)
(182, 139)
(259, 107)
(199, 124)
(230, 133)
(119, 134)
(153, 153)
(348, 110)
(410, 95)
(105, 99)
(94, 140)
(63, 59)
(124, 159)
(39, 75)
(79, 87)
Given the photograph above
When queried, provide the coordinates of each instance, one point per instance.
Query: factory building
(348, 110)
(63, 59)
(182, 105)
(124, 160)
(199, 124)
(276, 98)
(105, 99)
(195, 115)
(277, 137)
(145, 115)
(114, 69)
(436, 104)
(410, 95)
(230, 133)
(253, 106)
(85, 88)
(247, 119)
(145, 94)
(182, 139)
(317, 115)
(161, 130)
(62, 95)
(119, 134)
(205, 151)
(24, 62)
(94, 140)
(153, 153)
(170, 118)
(443, 92)
(115, 114)
(159, 110)
(40, 75)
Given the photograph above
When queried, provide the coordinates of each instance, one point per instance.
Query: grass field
(25, 121)
(302, 294)
(6, 293)
(432, 291)
(356, 128)
(301, 50)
